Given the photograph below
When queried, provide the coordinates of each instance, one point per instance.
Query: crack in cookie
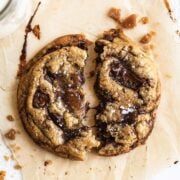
(128, 87)
(51, 100)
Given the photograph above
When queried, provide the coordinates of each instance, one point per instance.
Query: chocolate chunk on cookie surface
(128, 87)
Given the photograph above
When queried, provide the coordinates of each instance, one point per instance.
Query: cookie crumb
(168, 76)
(47, 162)
(11, 134)
(144, 20)
(129, 22)
(66, 173)
(10, 117)
(114, 13)
(14, 147)
(6, 157)
(2, 175)
(17, 166)
(36, 31)
(147, 37)
(149, 47)
(178, 32)
(175, 162)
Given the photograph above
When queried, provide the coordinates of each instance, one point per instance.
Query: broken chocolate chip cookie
(128, 87)
(51, 100)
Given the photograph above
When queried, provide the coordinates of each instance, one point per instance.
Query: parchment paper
(59, 17)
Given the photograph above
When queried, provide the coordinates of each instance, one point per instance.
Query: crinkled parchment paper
(59, 17)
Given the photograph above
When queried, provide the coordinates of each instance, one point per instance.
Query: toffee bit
(2, 175)
(114, 13)
(10, 117)
(144, 20)
(36, 31)
(11, 134)
(22, 57)
(129, 22)
(6, 158)
(17, 166)
(147, 37)
(47, 162)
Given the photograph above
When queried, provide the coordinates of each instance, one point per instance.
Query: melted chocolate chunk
(68, 134)
(73, 99)
(73, 133)
(125, 76)
(40, 99)
(103, 133)
(102, 94)
(67, 88)
(23, 55)
(82, 45)
(50, 77)
(129, 118)
(99, 46)
(76, 79)
(57, 119)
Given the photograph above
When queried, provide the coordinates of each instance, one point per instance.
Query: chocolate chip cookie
(51, 100)
(129, 90)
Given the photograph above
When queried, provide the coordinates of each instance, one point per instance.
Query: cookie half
(51, 100)
(129, 90)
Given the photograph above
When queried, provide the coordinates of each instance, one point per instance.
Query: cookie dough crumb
(14, 147)
(6, 157)
(178, 32)
(36, 31)
(147, 37)
(31, 155)
(175, 162)
(66, 173)
(2, 175)
(144, 20)
(168, 76)
(10, 118)
(114, 13)
(11, 134)
(129, 22)
(17, 166)
(47, 162)
(148, 47)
